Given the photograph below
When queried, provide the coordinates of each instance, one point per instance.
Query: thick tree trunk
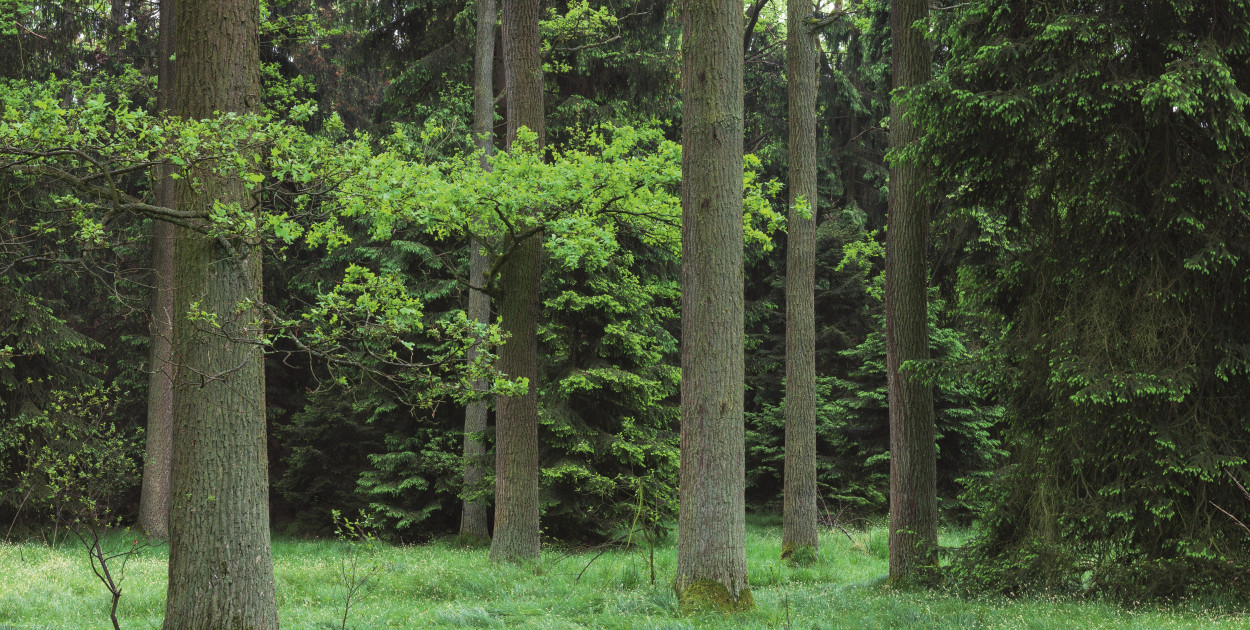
(220, 564)
(154, 493)
(913, 453)
(799, 535)
(516, 537)
(473, 516)
(711, 552)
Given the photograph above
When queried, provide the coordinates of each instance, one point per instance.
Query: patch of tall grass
(440, 585)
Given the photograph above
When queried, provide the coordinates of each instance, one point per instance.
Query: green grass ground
(442, 586)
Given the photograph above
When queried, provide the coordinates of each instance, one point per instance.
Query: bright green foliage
(615, 176)
(1104, 143)
(297, 180)
(68, 461)
(609, 371)
(365, 324)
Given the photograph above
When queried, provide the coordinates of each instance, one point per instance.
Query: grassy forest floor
(442, 586)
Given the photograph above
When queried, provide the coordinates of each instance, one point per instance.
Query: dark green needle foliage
(1105, 143)
(609, 408)
(853, 465)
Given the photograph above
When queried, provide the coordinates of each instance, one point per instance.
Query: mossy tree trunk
(711, 553)
(913, 453)
(799, 535)
(516, 537)
(154, 492)
(473, 516)
(220, 564)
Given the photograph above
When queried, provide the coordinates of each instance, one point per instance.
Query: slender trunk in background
(711, 551)
(516, 537)
(799, 536)
(117, 17)
(154, 494)
(220, 563)
(473, 516)
(913, 452)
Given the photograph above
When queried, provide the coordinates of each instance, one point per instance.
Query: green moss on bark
(798, 555)
(712, 595)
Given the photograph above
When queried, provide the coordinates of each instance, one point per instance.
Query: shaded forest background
(1088, 281)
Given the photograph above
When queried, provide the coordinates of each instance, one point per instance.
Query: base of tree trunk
(466, 539)
(798, 555)
(710, 595)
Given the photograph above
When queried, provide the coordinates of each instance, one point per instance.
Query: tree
(516, 535)
(711, 553)
(220, 563)
(473, 525)
(154, 494)
(1097, 153)
(799, 537)
(913, 455)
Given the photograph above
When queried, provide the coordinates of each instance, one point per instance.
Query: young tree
(799, 536)
(516, 536)
(913, 454)
(711, 552)
(473, 525)
(220, 564)
(154, 495)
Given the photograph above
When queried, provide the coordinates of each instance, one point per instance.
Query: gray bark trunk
(516, 537)
(473, 515)
(154, 493)
(220, 563)
(799, 535)
(711, 552)
(913, 454)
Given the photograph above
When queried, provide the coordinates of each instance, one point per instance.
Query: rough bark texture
(799, 535)
(473, 516)
(711, 553)
(154, 493)
(516, 536)
(220, 564)
(913, 455)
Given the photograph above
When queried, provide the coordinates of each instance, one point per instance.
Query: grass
(442, 586)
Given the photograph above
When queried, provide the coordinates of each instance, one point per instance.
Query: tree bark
(220, 563)
(473, 516)
(158, 444)
(711, 552)
(913, 453)
(799, 535)
(516, 537)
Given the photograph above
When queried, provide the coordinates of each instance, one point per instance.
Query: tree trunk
(154, 493)
(516, 537)
(220, 564)
(474, 529)
(473, 516)
(711, 552)
(913, 454)
(799, 536)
